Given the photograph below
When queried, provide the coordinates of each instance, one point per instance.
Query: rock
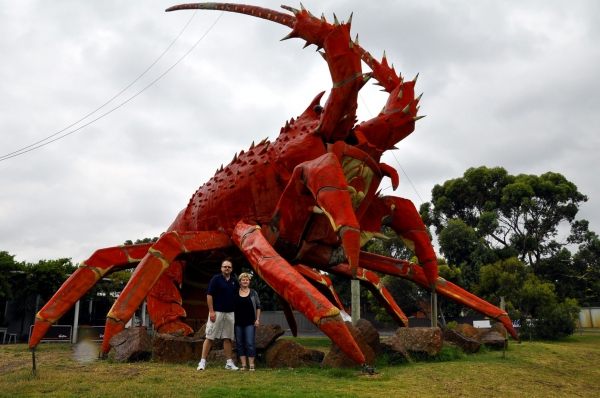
(336, 358)
(370, 334)
(216, 356)
(428, 340)
(266, 335)
(467, 330)
(217, 344)
(467, 344)
(201, 333)
(316, 355)
(176, 349)
(288, 354)
(394, 348)
(493, 340)
(499, 328)
(131, 344)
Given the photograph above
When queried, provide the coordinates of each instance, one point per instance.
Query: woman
(247, 317)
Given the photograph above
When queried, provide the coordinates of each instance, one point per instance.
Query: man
(220, 298)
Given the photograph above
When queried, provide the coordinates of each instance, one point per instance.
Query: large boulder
(266, 335)
(494, 340)
(427, 340)
(394, 349)
(336, 358)
(496, 328)
(370, 334)
(289, 354)
(131, 344)
(176, 349)
(464, 329)
(216, 356)
(217, 344)
(467, 344)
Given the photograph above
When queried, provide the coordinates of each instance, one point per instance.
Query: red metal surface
(309, 199)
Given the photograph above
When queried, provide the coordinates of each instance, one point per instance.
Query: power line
(35, 146)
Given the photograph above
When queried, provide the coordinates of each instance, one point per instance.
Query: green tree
(515, 215)
(585, 276)
(138, 241)
(8, 266)
(41, 279)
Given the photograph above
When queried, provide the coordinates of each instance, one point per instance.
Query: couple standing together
(231, 305)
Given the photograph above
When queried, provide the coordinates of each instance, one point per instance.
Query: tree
(515, 215)
(8, 266)
(41, 279)
(586, 266)
(138, 241)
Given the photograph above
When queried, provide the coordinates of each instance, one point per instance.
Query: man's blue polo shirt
(223, 292)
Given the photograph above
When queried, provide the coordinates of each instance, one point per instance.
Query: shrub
(451, 325)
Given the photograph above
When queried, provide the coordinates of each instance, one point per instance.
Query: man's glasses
(226, 266)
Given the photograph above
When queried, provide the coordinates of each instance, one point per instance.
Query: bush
(558, 321)
(451, 325)
(553, 322)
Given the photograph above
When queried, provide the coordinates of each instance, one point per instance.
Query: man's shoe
(201, 366)
(231, 366)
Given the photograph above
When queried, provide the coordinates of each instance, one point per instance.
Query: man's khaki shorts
(222, 328)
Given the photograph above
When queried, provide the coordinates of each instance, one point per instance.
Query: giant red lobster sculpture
(307, 201)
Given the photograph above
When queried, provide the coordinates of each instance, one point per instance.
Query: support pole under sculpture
(355, 290)
(75, 324)
(434, 310)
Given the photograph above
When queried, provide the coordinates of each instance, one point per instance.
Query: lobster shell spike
(302, 7)
(350, 19)
(292, 9)
(419, 97)
(289, 36)
(252, 145)
(234, 158)
(418, 117)
(335, 20)
(407, 108)
(415, 79)
(356, 41)
(323, 18)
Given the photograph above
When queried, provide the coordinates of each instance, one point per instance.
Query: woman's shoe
(243, 367)
(252, 368)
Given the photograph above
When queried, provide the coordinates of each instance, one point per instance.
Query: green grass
(538, 369)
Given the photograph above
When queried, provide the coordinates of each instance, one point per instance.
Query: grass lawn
(568, 368)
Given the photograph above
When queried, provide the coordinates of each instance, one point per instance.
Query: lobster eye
(318, 109)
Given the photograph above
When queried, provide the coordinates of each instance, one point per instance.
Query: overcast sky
(507, 83)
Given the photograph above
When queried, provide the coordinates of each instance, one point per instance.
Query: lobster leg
(159, 258)
(288, 311)
(322, 180)
(372, 282)
(407, 223)
(102, 263)
(412, 272)
(290, 284)
(322, 283)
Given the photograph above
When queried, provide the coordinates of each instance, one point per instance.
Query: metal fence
(589, 317)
